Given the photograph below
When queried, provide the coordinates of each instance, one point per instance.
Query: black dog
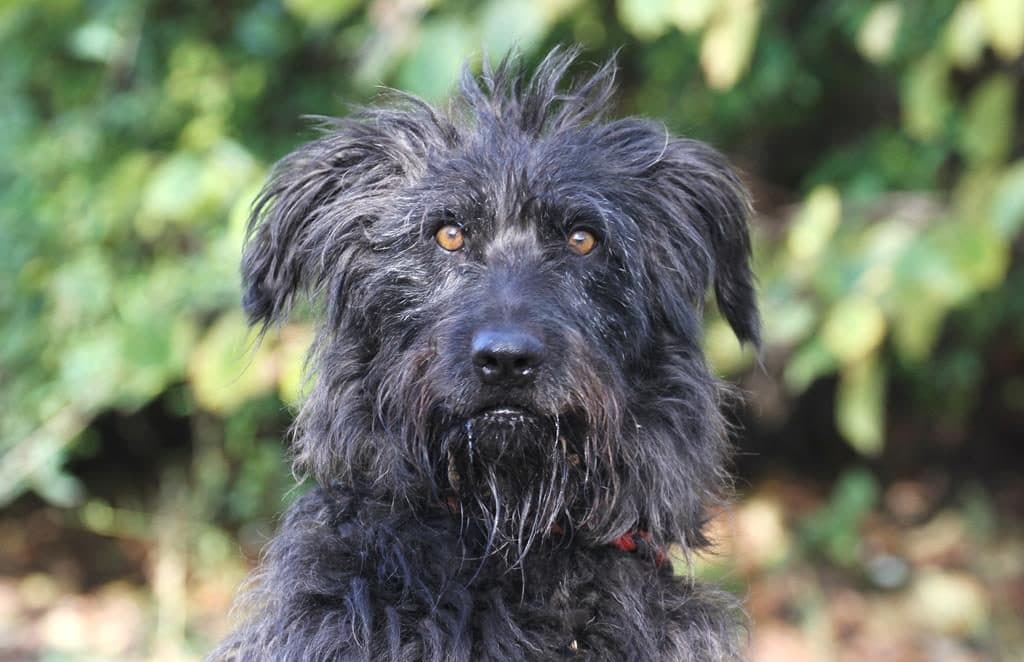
(511, 416)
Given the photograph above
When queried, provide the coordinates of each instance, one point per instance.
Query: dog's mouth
(505, 415)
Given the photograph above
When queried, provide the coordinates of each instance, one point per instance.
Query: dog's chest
(425, 593)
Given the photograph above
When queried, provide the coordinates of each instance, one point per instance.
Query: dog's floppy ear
(313, 212)
(709, 196)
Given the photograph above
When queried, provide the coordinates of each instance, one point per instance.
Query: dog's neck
(632, 541)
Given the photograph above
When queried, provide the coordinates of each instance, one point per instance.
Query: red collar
(630, 542)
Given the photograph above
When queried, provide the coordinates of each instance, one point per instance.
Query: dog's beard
(519, 479)
(537, 466)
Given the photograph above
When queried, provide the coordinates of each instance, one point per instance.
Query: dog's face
(513, 297)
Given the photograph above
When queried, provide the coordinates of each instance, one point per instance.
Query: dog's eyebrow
(566, 212)
(589, 217)
(464, 213)
(585, 210)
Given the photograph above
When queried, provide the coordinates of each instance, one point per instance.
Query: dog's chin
(509, 473)
(503, 431)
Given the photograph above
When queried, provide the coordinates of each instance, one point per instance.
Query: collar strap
(630, 541)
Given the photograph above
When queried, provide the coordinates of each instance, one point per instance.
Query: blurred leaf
(724, 351)
(58, 488)
(855, 493)
(224, 371)
(925, 270)
(761, 539)
(646, 19)
(854, 328)
(927, 98)
(860, 405)
(96, 41)
(788, 321)
(198, 78)
(238, 216)
(987, 132)
(35, 461)
(948, 265)
(692, 15)
(81, 289)
(976, 252)
(509, 23)
(262, 30)
(966, 35)
(155, 352)
(835, 528)
(91, 365)
(1005, 22)
(121, 192)
(292, 355)
(949, 602)
(1008, 202)
(877, 34)
(811, 361)
(729, 42)
(814, 226)
(172, 194)
(227, 169)
(884, 243)
(974, 191)
(916, 328)
(321, 13)
(433, 66)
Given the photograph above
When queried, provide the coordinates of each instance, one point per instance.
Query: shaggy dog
(511, 417)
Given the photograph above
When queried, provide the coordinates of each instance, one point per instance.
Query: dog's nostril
(506, 355)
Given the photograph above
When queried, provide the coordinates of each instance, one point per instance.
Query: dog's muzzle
(505, 416)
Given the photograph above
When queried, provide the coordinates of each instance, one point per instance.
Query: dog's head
(513, 293)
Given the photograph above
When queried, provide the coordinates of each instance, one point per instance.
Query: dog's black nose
(507, 355)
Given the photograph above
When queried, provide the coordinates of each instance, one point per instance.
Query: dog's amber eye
(450, 237)
(582, 241)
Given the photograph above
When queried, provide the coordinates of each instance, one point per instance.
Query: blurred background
(880, 495)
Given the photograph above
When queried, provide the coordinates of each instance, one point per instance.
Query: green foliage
(834, 530)
(137, 134)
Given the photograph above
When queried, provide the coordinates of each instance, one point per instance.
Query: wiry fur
(440, 533)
